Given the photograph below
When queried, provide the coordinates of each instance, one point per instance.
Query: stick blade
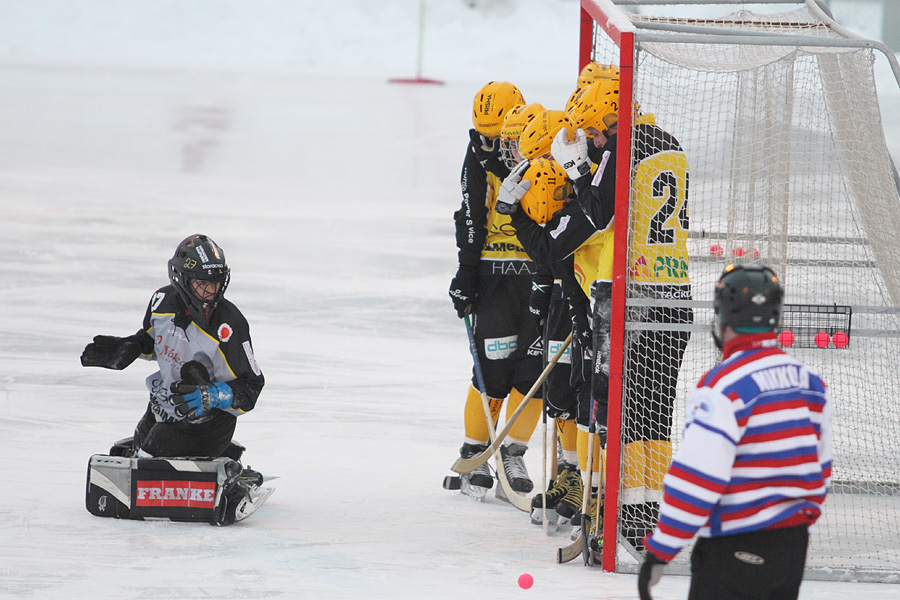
(570, 552)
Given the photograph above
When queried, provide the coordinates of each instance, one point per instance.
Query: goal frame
(626, 34)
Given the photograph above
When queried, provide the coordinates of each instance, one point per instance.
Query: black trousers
(760, 565)
(209, 438)
(501, 316)
(560, 397)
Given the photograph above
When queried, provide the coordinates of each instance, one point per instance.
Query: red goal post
(622, 33)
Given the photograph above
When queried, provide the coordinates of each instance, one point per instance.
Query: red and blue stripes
(756, 452)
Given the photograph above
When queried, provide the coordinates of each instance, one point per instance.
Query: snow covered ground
(268, 125)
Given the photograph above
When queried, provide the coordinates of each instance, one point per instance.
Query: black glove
(484, 148)
(111, 352)
(582, 350)
(539, 301)
(464, 289)
(194, 372)
(649, 575)
(487, 153)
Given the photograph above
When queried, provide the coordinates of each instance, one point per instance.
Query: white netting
(788, 166)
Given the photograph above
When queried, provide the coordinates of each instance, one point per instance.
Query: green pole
(421, 38)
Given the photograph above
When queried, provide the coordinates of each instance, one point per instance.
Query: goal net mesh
(788, 167)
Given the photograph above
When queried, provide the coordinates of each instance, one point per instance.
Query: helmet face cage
(509, 152)
(513, 126)
(199, 258)
(748, 298)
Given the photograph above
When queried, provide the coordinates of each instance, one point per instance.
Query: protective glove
(571, 155)
(111, 352)
(649, 575)
(484, 148)
(512, 189)
(539, 301)
(582, 351)
(464, 289)
(192, 400)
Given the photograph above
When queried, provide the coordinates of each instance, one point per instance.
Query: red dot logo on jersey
(225, 332)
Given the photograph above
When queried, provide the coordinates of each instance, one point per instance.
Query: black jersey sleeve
(238, 351)
(559, 238)
(471, 218)
(596, 192)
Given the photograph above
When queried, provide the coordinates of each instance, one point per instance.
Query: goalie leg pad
(176, 489)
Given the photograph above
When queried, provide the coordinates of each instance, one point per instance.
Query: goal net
(778, 117)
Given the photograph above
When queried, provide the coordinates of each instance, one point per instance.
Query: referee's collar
(749, 341)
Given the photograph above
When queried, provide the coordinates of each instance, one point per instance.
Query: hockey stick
(545, 527)
(467, 465)
(581, 545)
(513, 497)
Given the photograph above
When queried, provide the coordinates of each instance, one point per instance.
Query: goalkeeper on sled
(181, 463)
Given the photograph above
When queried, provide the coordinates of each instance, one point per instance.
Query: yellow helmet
(573, 101)
(538, 135)
(593, 72)
(598, 106)
(491, 104)
(548, 192)
(513, 126)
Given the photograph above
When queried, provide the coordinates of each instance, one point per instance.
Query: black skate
(514, 467)
(477, 483)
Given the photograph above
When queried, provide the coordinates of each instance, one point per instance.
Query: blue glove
(192, 400)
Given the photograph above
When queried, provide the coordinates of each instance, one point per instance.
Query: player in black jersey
(657, 270)
(207, 374)
(493, 285)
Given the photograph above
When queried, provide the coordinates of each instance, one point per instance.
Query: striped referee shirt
(756, 452)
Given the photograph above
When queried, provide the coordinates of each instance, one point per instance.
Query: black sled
(218, 491)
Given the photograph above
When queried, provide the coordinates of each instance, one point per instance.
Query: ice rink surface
(332, 194)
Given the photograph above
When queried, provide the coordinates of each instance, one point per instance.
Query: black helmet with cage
(195, 269)
(749, 299)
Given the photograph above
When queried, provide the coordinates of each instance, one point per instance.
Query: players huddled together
(535, 246)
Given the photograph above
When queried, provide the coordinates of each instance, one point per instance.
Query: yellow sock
(567, 431)
(475, 423)
(633, 468)
(583, 441)
(523, 428)
(658, 457)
